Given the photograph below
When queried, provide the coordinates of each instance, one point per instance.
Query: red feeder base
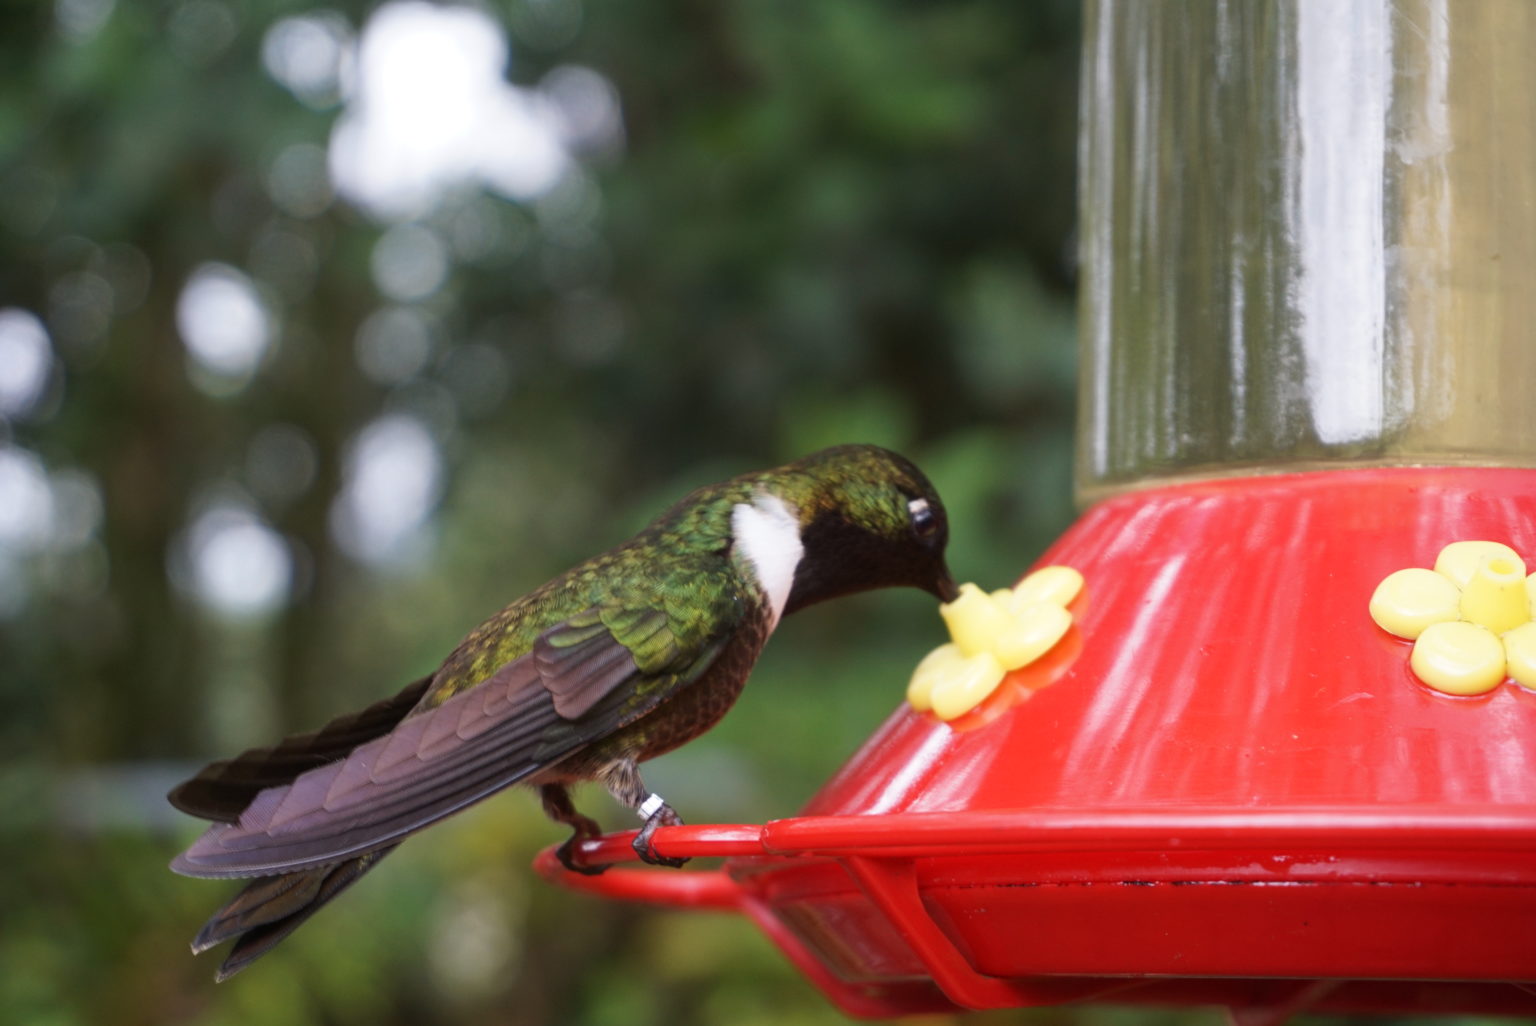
(1224, 787)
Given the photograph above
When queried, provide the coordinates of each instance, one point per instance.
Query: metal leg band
(652, 805)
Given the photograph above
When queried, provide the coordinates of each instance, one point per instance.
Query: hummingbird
(618, 660)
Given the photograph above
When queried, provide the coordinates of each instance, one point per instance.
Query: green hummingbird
(619, 659)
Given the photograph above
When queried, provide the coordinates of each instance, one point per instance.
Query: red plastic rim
(1490, 829)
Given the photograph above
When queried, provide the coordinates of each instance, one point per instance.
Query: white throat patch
(767, 532)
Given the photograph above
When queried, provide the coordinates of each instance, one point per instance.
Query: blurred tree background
(324, 332)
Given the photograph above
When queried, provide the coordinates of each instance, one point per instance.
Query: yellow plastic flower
(993, 634)
(1469, 618)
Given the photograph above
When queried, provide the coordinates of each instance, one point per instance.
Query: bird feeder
(1285, 755)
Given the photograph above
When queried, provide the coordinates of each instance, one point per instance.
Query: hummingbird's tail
(272, 907)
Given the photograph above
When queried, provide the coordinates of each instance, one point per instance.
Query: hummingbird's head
(868, 519)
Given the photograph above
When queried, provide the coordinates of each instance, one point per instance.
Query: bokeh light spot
(409, 263)
(298, 181)
(80, 306)
(79, 20)
(26, 359)
(26, 501)
(432, 110)
(394, 343)
(392, 481)
(310, 55)
(588, 104)
(487, 227)
(77, 508)
(224, 325)
(201, 30)
(235, 564)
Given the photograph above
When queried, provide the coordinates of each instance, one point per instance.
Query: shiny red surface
(1224, 776)
(1228, 662)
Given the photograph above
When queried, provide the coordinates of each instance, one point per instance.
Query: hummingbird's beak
(944, 586)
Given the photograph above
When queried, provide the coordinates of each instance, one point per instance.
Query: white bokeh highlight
(224, 324)
(26, 501)
(409, 262)
(391, 483)
(235, 564)
(588, 107)
(430, 110)
(77, 508)
(26, 360)
(311, 56)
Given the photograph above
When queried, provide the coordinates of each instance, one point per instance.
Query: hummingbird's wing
(584, 679)
(579, 664)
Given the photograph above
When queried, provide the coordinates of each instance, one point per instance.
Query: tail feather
(269, 908)
(221, 790)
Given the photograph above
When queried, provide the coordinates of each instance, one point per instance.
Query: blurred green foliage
(824, 222)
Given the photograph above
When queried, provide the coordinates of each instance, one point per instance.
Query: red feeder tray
(1225, 787)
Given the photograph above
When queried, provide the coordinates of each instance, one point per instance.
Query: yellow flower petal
(1035, 630)
(1495, 596)
(974, 619)
(1459, 560)
(940, 664)
(1058, 585)
(1408, 601)
(1458, 658)
(1520, 654)
(978, 677)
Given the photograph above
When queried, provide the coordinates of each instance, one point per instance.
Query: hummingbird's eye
(922, 516)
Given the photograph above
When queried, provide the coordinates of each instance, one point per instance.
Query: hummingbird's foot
(566, 853)
(557, 805)
(623, 779)
(656, 813)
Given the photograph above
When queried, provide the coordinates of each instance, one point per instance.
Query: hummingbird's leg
(656, 813)
(623, 780)
(558, 807)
